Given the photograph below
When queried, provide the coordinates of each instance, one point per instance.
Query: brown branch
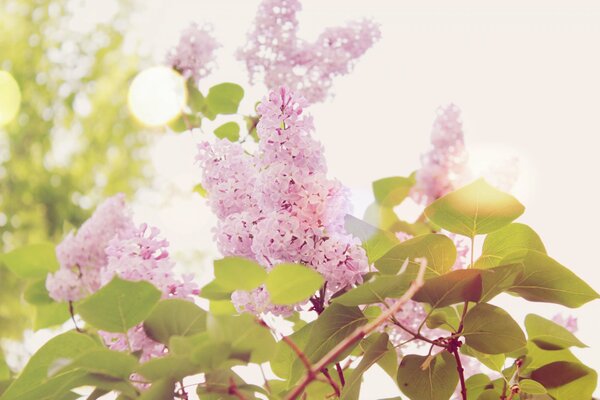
(72, 312)
(461, 372)
(358, 334)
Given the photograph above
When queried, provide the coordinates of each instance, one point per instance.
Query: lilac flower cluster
(278, 205)
(275, 53)
(444, 167)
(193, 56)
(109, 244)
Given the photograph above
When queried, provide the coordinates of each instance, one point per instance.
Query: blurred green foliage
(73, 141)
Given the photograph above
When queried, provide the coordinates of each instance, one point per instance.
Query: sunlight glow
(157, 95)
(10, 98)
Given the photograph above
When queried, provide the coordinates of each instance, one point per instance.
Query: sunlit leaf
(439, 250)
(237, 273)
(475, 209)
(375, 241)
(229, 130)
(225, 98)
(31, 261)
(174, 317)
(454, 287)
(546, 280)
(291, 283)
(511, 238)
(392, 191)
(549, 335)
(119, 305)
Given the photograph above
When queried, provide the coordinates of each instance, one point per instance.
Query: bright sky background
(526, 75)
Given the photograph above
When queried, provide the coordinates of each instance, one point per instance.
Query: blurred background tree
(73, 141)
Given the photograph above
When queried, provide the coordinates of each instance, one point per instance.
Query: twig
(359, 334)
(234, 390)
(340, 373)
(72, 312)
(333, 384)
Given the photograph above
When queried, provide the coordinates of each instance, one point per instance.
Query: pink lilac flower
(193, 56)
(275, 53)
(444, 167)
(82, 255)
(569, 322)
(108, 245)
(278, 205)
(143, 256)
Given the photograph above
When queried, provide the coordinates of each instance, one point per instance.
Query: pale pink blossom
(569, 322)
(275, 53)
(193, 56)
(82, 255)
(108, 245)
(444, 167)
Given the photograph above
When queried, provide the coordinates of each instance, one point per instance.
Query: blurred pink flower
(275, 52)
(193, 56)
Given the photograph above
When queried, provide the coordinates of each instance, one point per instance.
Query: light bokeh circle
(157, 95)
(10, 98)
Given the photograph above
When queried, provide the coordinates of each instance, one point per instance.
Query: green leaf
(229, 130)
(558, 373)
(499, 280)
(567, 380)
(446, 318)
(179, 124)
(172, 367)
(332, 326)
(495, 362)
(489, 394)
(69, 345)
(200, 190)
(491, 330)
(196, 100)
(31, 261)
(375, 241)
(454, 287)
(475, 209)
(174, 317)
(546, 280)
(476, 384)
(49, 315)
(511, 238)
(284, 357)
(4, 370)
(103, 361)
(225, 98)
(119, 305)
(214, 291)
(159, 390)
(548, 335)
(439, 250)
(378, 288)
(531, 387)
(36, 293)
(392, 191)
(437, 382)
(237, 273)
(373, 354)
(222, 307)
(248, 340)
(291, 283)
